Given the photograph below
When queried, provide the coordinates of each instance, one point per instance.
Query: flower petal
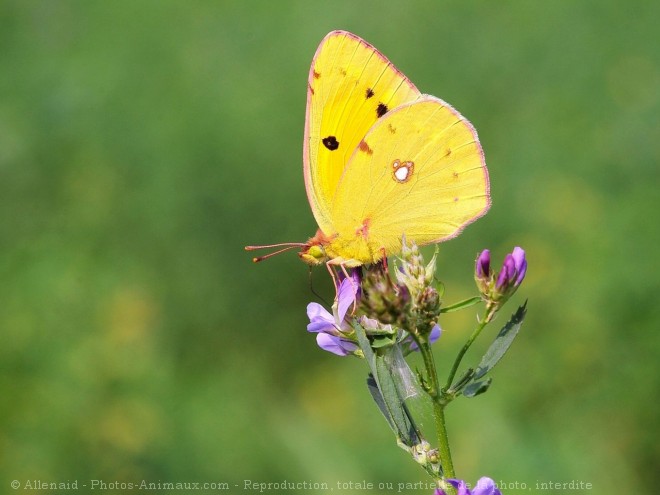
(483, 264)
(314, 310)
(462, 488)
(336, 345)
(346, 296)
(507, 272)
(458, 484)
(518, 255)
(320, 319)
(436, 331)
(521, 264)
(486, 486)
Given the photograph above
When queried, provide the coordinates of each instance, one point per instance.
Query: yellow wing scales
(442, 187)
(351, 86)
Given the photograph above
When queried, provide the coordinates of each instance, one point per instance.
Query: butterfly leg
(382, 250)
(386, 268)
(333, 276)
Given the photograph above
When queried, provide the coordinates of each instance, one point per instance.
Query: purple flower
(332, 327)
(436, 331)
(485, 486)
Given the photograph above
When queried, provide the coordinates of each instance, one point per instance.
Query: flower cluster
(494, 287)
(382, 318)
(334, 332)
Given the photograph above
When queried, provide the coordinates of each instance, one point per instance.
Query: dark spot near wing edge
(330, 142)
(363, 146)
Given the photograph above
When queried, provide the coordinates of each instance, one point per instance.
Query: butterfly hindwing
(351, 86)
(419, 171)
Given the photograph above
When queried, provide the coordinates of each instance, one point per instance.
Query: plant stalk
(466, 346)
(439, 404)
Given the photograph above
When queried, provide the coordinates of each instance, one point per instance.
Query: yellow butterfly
(382, 160)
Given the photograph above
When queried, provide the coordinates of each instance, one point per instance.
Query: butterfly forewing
(351, 86)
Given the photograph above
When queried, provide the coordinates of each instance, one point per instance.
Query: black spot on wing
(369, 93)
(330, 142)
(381, 110)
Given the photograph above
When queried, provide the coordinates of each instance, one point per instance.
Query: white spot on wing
(401, 173)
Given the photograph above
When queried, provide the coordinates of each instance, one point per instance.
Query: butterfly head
(313, 252)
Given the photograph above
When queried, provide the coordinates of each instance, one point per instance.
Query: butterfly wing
(419, 171)
(351, 85)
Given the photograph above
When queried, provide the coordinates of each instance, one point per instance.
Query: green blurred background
(144, 143)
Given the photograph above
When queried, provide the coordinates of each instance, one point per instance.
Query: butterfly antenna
(311, 287)
(287, 246)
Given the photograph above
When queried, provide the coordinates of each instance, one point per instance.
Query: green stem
(443, 440)
(459, 358)
(439, 404)
(431, 373)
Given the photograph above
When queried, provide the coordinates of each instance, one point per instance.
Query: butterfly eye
(402, 171)
(313, 255)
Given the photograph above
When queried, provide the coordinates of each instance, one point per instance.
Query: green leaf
(380, 401)
(365, 345)
(386, 392)
(394, 395)
(382, 331)
(477, 388)
(383, 341)
(440, 287)
(461, 305)
(462, 381)
(501, 343)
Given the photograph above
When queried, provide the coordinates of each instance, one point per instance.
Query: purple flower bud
(507, 273)
(521, 264)
(483, 264)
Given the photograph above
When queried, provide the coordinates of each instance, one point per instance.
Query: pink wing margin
(484, 169)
